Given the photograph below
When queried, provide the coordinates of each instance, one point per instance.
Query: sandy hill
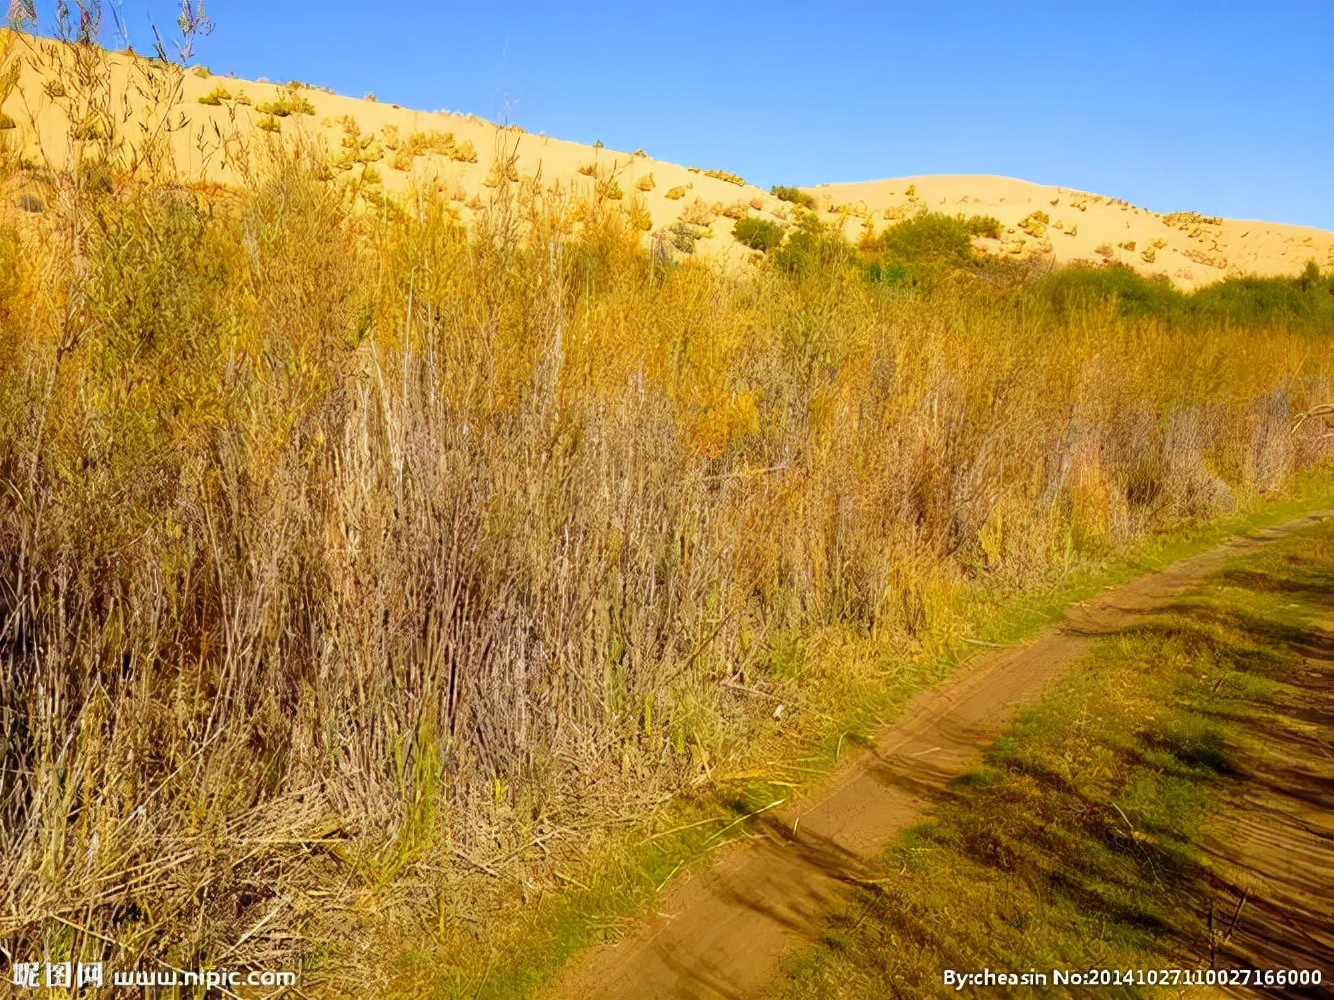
(211, 124)
(1070, 225)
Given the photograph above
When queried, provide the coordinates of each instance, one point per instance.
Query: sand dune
(397, 150)
(1068, 225)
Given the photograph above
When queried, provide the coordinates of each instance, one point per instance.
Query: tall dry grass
(346, 552)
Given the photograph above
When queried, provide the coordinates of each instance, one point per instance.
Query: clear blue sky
(1223, 108)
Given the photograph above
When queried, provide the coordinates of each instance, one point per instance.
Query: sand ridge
(465, 158)
(1065, 225)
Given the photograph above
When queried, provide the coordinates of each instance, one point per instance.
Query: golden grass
(350, 559)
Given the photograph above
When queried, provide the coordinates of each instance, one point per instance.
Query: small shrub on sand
(698, 214)
(216, 96)
(726, 175)
(758, 234)
(675, 194)
(588, 169)
(1035, 224)
(288, 102)
(645, 183)
(268, 123)
(736, 210)
(794, 195)
(608, 189)
(504, 169)
(1188, 220)
(684, 236)
(433, 143)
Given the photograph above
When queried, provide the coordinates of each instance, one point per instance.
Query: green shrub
(935, 238)
(916, 250)
(757, 233)
(683, 237)
(794, 195)
(813, 245)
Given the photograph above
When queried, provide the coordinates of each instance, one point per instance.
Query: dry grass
(349, 559)
(697, 213)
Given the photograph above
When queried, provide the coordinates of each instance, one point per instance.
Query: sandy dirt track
(726, 929)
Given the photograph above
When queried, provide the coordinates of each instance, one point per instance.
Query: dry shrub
(699, 214)
(726, 175)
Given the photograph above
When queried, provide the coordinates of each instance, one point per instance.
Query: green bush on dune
(757, 233)
(795, 196)
(918, 249)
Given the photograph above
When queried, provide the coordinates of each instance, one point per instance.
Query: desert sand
(1189, 248)
(398, 150)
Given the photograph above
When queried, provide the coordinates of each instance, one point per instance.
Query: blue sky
(1222, 108)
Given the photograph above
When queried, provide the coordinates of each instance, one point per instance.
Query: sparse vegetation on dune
(358, 567)
(794, 195)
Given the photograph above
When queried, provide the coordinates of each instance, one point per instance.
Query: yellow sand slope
(1068, 225)
(396, 150)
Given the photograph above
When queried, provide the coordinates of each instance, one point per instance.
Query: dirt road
(723, 932)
